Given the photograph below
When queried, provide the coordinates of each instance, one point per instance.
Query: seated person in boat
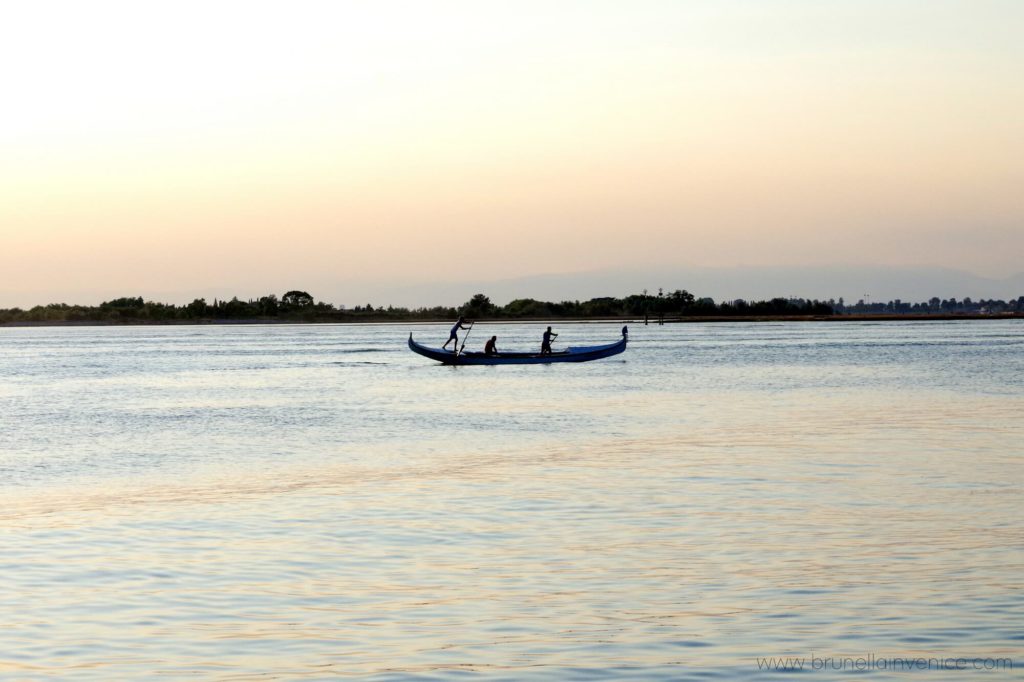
(454, 336)
(491, 347)
(545, 343)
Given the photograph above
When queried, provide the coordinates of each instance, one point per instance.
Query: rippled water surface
(316, 502)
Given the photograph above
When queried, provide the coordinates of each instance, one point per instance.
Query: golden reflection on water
(724, 528)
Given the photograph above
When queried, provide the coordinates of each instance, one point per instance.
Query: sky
(186, 149)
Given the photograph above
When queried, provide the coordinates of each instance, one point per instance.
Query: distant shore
(676, 306)
(634, 320)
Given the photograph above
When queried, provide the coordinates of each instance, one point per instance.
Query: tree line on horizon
(300, 306)
(933, 306)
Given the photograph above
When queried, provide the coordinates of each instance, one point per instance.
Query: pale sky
(182, 149)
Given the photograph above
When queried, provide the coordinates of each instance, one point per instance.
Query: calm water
(316, 502)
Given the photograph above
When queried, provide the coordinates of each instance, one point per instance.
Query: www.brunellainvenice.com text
(874, 662)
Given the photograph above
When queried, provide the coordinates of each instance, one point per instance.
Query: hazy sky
(181, 149)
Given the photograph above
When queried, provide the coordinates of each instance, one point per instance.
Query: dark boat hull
(474, 358)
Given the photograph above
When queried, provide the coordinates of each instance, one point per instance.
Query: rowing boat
(571, 354)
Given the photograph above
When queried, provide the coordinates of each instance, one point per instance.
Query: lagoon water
(316, 502)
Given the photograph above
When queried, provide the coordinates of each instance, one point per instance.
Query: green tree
(268, 305)
(297, 299)
(123, 303)
(478, 306)
(197, 308)
(527, 307)
(680, 299)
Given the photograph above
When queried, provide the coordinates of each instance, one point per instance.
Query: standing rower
(454, 336)
(545, 343)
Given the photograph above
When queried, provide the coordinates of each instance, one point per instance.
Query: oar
(459, 352)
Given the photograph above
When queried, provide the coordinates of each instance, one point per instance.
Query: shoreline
(864, 317)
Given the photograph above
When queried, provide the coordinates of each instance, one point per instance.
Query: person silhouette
(454, 335)
(545, 343)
